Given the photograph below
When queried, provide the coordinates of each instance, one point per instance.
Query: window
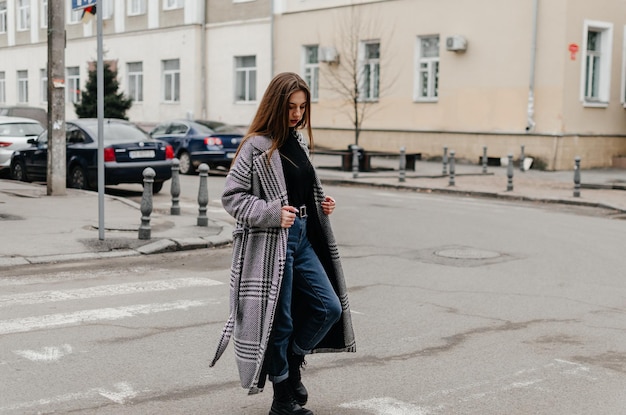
(427, 69)
(597, 47)
(171, 80)
(245, 78)
(43, 76)
(136, 7)
(107, 9)
(73, 16)
(44, 14)
(23, 14)
(311, 70)
(3, 86)
(173, 4)
(3, 16)
(22, 87)
(370, 71)
(135, 80)
(73, 85)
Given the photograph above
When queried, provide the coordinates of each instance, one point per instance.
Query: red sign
(573, 48)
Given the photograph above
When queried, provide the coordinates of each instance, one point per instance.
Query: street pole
(56, 165)
(100, 113)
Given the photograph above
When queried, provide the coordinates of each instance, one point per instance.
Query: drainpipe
(271, 38)
(203, 66)
(530, 120)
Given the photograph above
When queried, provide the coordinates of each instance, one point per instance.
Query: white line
(386, 406)
(21, 325)
(104, 291)
(120, 394)
(124, 391)
(47, 354)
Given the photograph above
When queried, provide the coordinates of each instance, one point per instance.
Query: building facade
(546, 75)
(160, 49)
(549, 75)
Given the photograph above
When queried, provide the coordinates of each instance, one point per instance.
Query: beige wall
(483, 93)
(221, 11)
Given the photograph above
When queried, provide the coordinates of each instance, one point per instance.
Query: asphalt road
(460, 306)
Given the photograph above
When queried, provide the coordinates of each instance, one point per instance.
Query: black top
(299, 173)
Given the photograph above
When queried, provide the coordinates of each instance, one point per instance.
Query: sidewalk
(37, 229)
(603, 188)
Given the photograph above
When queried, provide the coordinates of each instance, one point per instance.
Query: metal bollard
(146, 203)
(175, 187)
(203, 195)
(509, 174)
(402, 177)
(355, 161)
(451, 182)
(444, 171)
(484, 159)
(577, 176)
(521, 159)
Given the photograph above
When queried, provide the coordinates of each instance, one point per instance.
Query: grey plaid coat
(254, 194)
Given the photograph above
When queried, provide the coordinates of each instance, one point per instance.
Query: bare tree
(355, 73)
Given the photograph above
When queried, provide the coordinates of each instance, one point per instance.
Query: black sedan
(128, 150)
(195, 143)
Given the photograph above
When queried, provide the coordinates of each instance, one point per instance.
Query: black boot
(296, 361)
(284, 402)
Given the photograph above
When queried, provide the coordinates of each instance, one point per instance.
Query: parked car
(34, 113)
(14, 134)
(195, 143)
(128, 150)
(219, 127)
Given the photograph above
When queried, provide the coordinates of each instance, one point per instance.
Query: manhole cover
(459, 256)
(466, 253)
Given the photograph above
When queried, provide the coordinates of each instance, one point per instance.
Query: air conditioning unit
(456, 43)
(328, 54)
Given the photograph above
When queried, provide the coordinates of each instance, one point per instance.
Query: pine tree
(115, 104)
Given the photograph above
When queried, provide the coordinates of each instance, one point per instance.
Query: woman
(288, 294)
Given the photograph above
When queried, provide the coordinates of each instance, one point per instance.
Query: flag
(88, 13)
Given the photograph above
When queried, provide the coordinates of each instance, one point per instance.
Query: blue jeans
(303, 272)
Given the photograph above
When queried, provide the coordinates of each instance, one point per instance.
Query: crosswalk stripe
(104, 291)
(386, 406)
(20, 325)
(119, 393)
(47, 354)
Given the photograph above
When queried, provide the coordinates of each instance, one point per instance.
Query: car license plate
(230, 155)
(141, 154)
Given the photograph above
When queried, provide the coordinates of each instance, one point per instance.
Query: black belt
(301, 213)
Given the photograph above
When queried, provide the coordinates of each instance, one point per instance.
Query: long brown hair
(272, 116)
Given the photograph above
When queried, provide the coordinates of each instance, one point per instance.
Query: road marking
(99, 274)
(120, 394)
(21, 325)
(47, 354)
(123, 393)
(104, 291)
(386, 406)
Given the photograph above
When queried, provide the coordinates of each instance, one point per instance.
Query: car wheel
(156, 187)
(18, 172)
(185, 163)
(78, 178)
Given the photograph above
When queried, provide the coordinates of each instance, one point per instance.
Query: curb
(474, 193)
(223, 238)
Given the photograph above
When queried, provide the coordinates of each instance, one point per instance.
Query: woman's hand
(328, 205)
(287, 216)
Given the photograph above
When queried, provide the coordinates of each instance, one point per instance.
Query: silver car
(14, 133)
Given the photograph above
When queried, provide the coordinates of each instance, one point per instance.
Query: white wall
(224, 42)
